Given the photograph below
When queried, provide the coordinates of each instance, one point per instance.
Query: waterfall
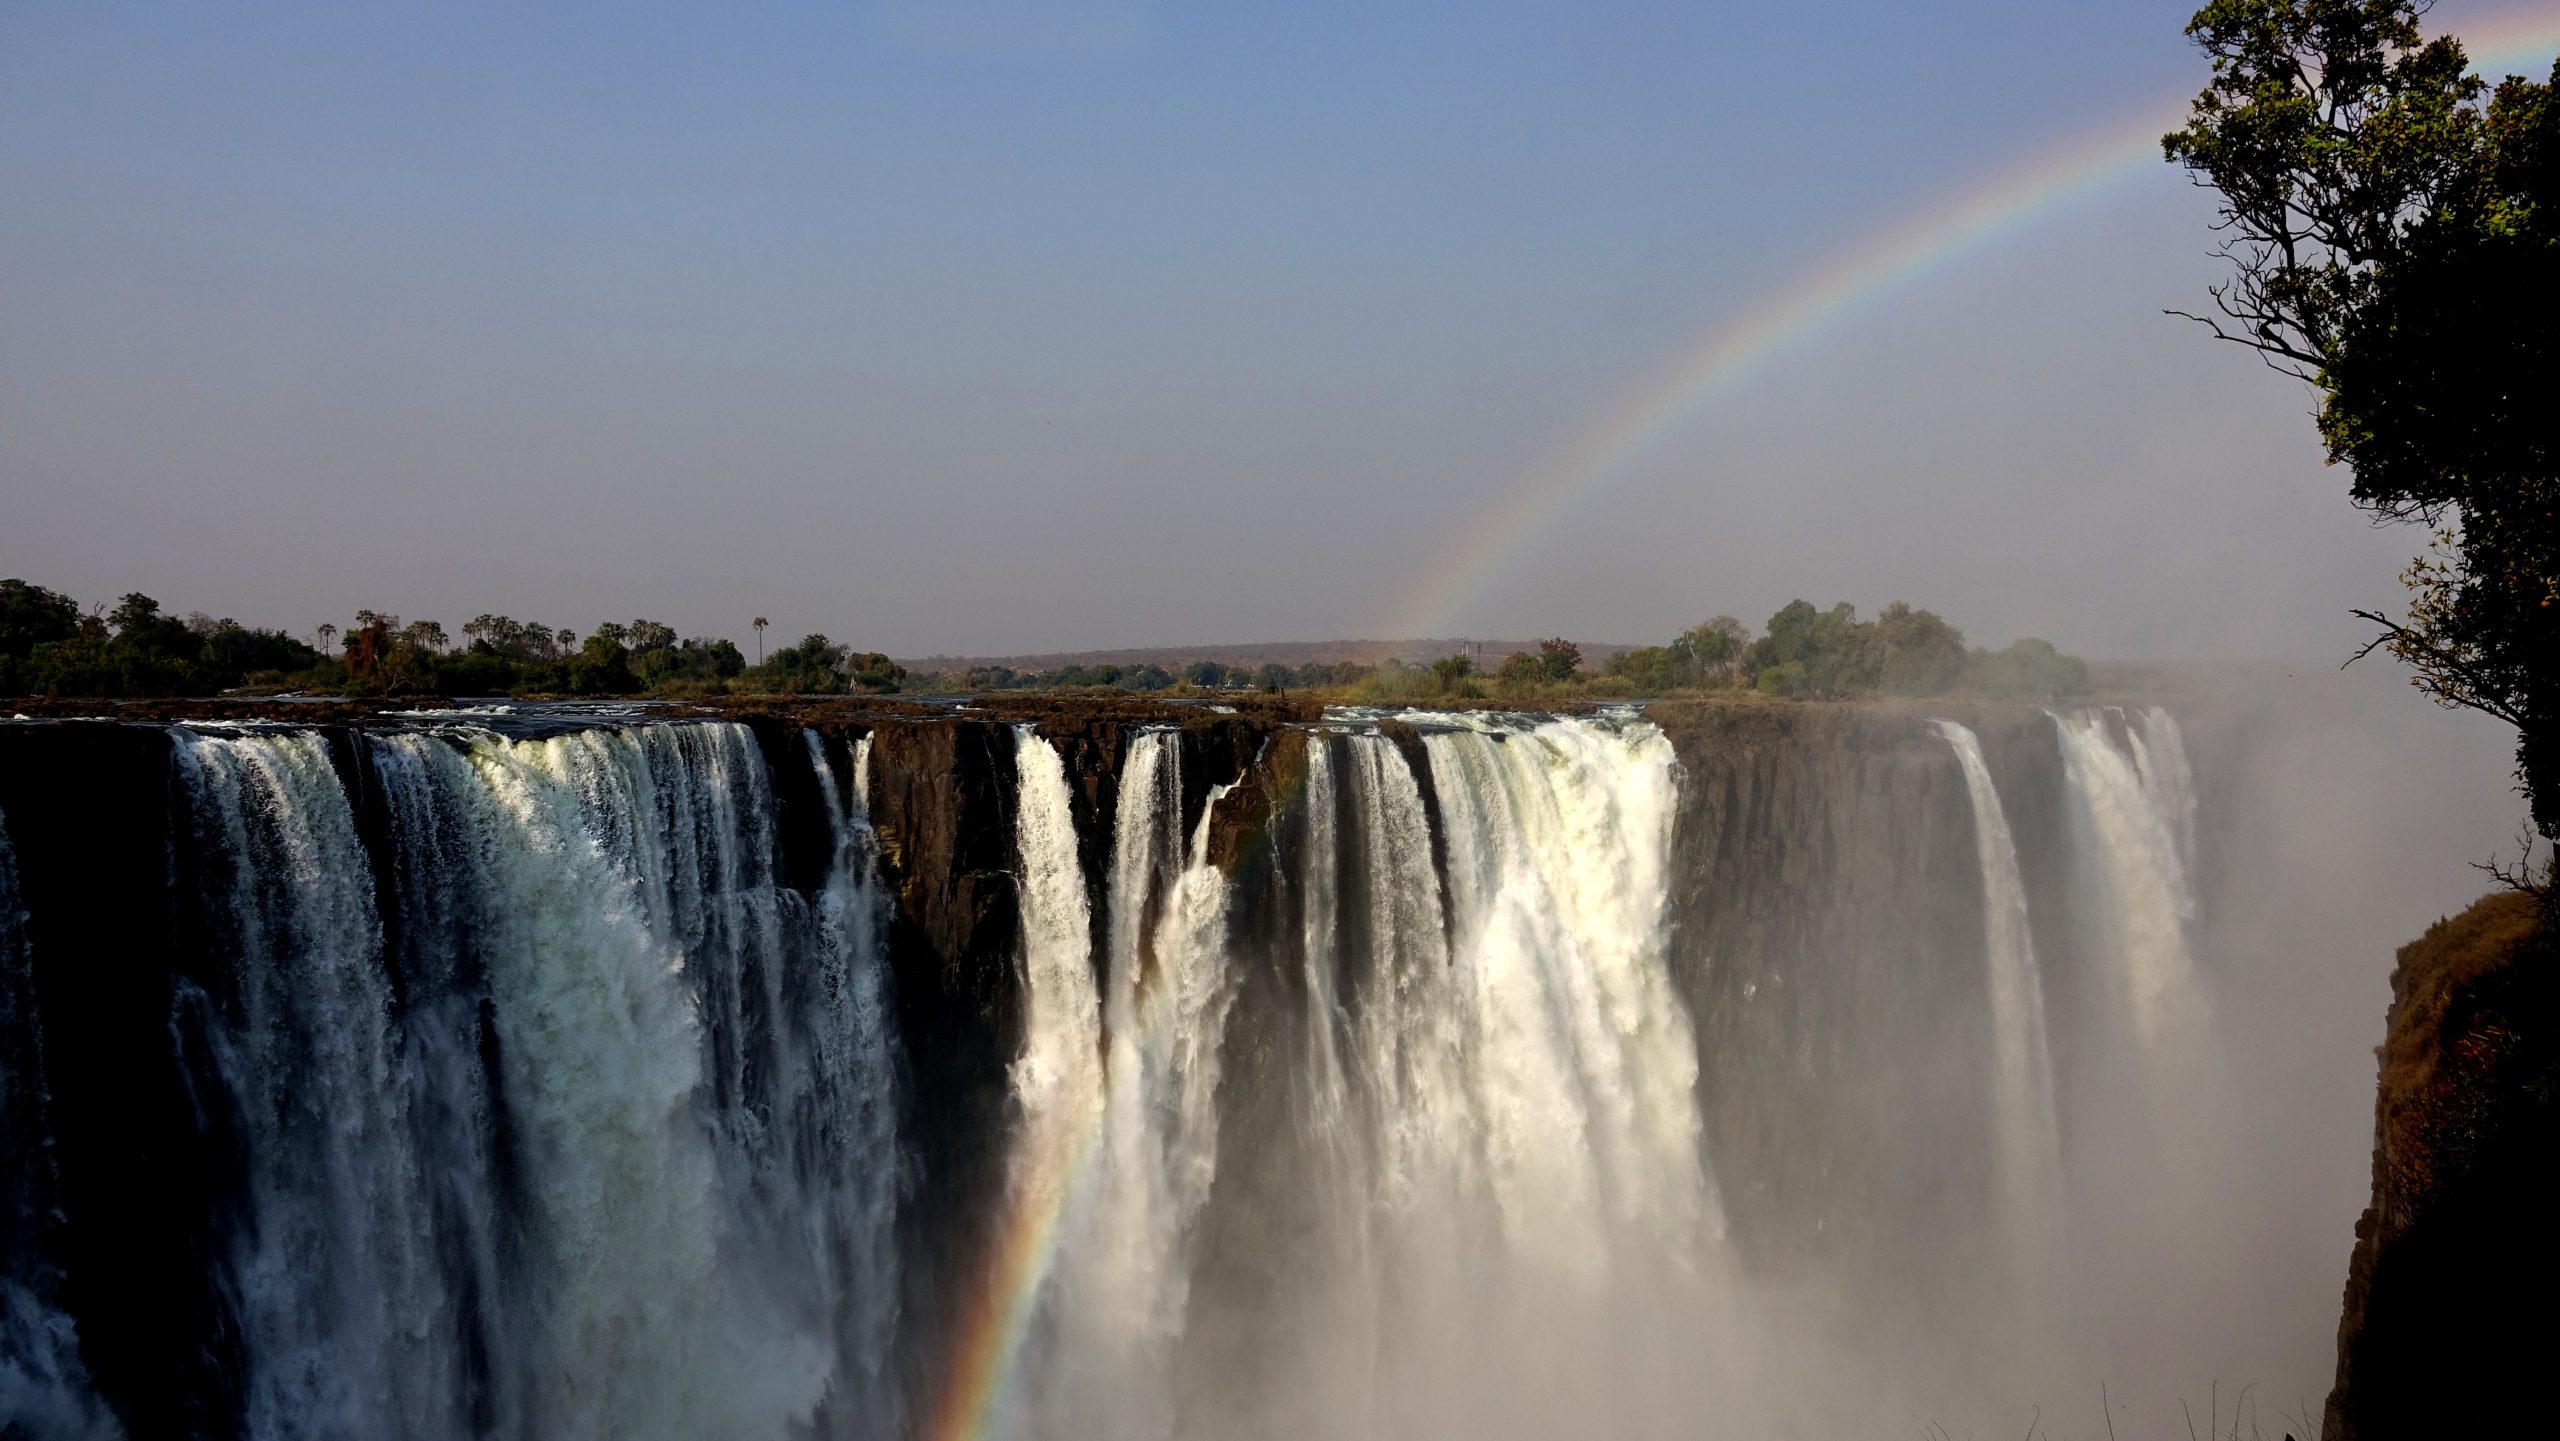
(558, 1112)
(2134, 802)
(1057, 1080)
(1558, 839)
(1118, 1296)
(1367, 1075)
(1409, 1033)
(2030, 1140)
(846, 1123)
(1327, 1099)
(343, 1306)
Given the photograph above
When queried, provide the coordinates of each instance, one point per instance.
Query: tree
(2028, 667)
(601, 667)
(873, 671)
(760, 624)
(1916, 653)
(1707, 654)
(2393, 237)
(1558, 659)
(816, 664)
(32, 617)
(1450, 672)
(1646, 669)
(369, 643)
(1804, 651)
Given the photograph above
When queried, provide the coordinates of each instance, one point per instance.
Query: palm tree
(761, 623)
(327, 633)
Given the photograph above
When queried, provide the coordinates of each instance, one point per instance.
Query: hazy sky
(999, 326)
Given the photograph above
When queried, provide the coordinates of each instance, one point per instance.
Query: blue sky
(996, 326)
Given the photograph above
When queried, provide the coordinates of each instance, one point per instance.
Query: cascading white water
(342, 1299)
(1558, 838)
(638, 1330)
(2030, 1138)
(690, 1232)
(846, 1150)
(1534, 1166)
(1327, 1101)
(2136, 804)
(1409, 1035)
(1117, 1299)
(1057, 1079)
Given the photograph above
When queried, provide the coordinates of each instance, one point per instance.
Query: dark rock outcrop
(1827, 905)
(142, 1178)
(2446, 1328)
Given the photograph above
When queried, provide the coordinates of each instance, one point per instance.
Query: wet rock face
(2445, 1329)
(1827, 936)
(941, 801)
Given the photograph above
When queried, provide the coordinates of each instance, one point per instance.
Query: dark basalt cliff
(135, 1199)
(1827, 904)
(2446, 1329)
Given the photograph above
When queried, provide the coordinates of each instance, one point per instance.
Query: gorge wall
(1071, 1071)
(2442, 1330)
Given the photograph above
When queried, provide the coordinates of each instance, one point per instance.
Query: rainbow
(989, 1329)
(1724, 360)
(987, 1334)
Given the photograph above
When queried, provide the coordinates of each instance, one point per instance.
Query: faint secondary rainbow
(1728, 357)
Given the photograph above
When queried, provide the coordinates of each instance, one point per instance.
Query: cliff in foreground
(2447, 1328)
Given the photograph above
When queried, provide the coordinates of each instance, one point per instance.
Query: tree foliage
(1903, 651)
(48, 645)
(2393, 227)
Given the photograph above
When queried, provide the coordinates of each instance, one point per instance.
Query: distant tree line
(1903, 651)
(1199, 675)
(1804, 652)
(50, 646)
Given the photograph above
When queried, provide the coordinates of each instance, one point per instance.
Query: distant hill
(1286, 652)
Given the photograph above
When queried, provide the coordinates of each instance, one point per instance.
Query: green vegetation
(49, 646)
(1901, 652)
(2393, 226)
(1807, 653)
